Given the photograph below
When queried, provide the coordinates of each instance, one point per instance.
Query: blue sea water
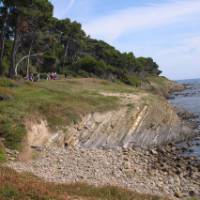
(189, 99)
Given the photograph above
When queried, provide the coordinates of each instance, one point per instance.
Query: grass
(27, 187)
(2, 153)
(160, 85)
(60, 102)
(2, 156)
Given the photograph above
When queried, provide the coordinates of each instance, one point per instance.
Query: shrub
(2, 153)
(43, 75)
(9, 192)
(132, 80)
(4, 82)
(90, 65)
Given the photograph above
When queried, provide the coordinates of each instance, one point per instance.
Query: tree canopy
(32, 40)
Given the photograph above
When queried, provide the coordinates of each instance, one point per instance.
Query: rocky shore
(165, 171)
(161, 171)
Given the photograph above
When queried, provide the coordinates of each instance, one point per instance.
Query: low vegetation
(27, 187)
(2, 153)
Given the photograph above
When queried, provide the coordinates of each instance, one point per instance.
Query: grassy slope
(162, 86)
(27, 187)
(60, 102)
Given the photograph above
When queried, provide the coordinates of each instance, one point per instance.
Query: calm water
(189, 99)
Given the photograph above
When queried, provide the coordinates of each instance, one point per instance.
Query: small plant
(2, 154)
(9, 192)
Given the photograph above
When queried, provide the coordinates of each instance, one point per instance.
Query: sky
(166, 30)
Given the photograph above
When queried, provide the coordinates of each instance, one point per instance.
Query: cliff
(90, 113)
(141, 118)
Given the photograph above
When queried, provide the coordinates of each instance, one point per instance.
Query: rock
(191, 150)
(185, 115)
(153, 152)
(4, 97)
(11, 152)
(2, 139)
(178, 194)
(139, 170)
(37, 148)
(192, 193)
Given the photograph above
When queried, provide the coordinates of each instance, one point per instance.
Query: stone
(153, 152)
(192, 193)
(4, 97)
(134, 170)
(178, 194)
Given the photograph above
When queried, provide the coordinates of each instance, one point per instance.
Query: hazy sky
(167, 30)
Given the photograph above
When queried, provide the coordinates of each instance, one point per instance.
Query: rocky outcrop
(145, 123)
(38, 135)
(162, 86)
(143, 120)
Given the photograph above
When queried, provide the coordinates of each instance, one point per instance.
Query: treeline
(32, 40)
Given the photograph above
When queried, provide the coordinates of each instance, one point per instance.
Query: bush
(5, 82)
(90, 65)
(2, 153)
(5, 65)
(132, 80)
(43, 75)
(9, 192)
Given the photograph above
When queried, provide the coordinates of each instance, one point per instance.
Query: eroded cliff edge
(143, 119)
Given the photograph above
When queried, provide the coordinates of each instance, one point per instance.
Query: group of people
(36, 76)
(52, 76)
(33, 77)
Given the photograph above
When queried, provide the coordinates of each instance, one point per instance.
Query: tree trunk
(28, 62)
(15, 47)
(13, 55)
(26, 57)
(65, 54)
(2, 42)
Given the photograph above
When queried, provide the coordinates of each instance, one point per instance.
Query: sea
(189, 99)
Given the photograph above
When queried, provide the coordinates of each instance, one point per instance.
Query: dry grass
(27, 187)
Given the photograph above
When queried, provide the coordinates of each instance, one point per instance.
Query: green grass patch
(4, 82)
(8, 192)
(2, 156)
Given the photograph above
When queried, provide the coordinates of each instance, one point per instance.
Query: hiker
(48, 76)
(38, 76)
(51, 76)
(31, 77)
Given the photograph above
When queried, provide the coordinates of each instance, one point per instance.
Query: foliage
(29, 32)
(133, 80)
